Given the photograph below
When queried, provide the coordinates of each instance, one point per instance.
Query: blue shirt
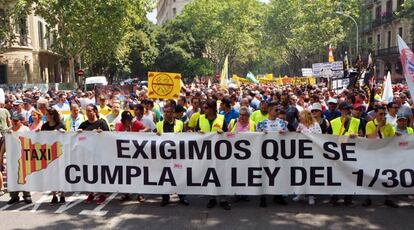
(331, 115)
(232, 114)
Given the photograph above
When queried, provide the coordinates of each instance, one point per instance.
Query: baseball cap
(332, 100)
(27, 101)
(345, 105)
(402, 116)
(102, 97)
(126, 115)
(17, 117)
(358, 106)
(179, 108)
(316, 106)
(17, 102)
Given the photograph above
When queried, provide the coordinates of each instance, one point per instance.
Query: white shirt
(61, 107)
(392, 120)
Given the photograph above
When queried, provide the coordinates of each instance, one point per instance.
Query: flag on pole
(224, 78)
(387, 93)
(250, 77)
(346, 61)
(407, 61)
(330, 53)
(370, 71)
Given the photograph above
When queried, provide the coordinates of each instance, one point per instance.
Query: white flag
(407, 61)
(388, 94)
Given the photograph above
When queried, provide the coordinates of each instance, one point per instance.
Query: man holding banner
(170, 125)
(209, 122)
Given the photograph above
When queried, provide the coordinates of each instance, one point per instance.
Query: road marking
(35, 205)
(71, 201)
(126, 213)
(5, 207)
(97, 211)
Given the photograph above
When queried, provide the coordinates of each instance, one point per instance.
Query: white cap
(316, 106)
(332, 100)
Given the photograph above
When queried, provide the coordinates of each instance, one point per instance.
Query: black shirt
(168, 127)
(46, 127)
(99, 124)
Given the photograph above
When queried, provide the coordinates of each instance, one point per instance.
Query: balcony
(385, 19)
(23, 40)
(369, 3)
(391, 51)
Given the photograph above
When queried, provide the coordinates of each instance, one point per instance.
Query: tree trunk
(72, 76)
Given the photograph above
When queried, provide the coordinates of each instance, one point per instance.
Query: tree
(180, 52)
(305, 28)
(408, 12)
(91, 29)
(230, 27)
(10, 11)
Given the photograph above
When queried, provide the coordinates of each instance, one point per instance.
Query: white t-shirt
(62, 107)
(22, 128)
(392, 120)
(315, 128)
(149, 123)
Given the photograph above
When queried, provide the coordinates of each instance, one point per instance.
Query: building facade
(169, 9)
(379, 33)
(29, 59)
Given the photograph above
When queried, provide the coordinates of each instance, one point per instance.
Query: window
(26, 72)
(378, 13)
(400, 31)
(41, 36)
(2, 23)
(399, 4)
(21, 29)
(378, 41)
(174, 12)
(369, 41)
(389, 39)
(3, 74)
(388, 9)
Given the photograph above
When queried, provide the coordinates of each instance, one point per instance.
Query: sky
(152, 16)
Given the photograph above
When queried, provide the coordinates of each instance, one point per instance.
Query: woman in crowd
(308, 125)
(36, 120)
(94, 123)
(52, 123)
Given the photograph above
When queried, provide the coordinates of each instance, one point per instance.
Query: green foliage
(305, 28)
(10, 12)
(231, 27)
(180, 52)
(408, 12)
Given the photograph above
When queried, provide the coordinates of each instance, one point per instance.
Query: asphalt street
(115, 214)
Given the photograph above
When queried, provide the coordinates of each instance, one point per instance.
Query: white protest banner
(209, 164)
(328, 70)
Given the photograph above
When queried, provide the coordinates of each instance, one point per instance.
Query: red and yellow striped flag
(36, 157)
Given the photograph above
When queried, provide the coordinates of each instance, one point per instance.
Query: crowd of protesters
(248, 108)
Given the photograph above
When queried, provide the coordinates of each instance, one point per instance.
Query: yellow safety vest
(337, 127)
(410, 130)
(178, 126)
(68, 121)
(204, 124)
(233, 125)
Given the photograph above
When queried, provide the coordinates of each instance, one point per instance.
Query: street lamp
(356, 24)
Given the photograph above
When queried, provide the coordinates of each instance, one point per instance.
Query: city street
(244, 215)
